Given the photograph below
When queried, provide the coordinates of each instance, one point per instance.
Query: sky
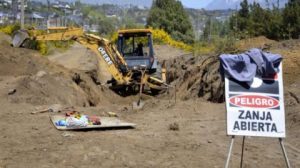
(196, 3)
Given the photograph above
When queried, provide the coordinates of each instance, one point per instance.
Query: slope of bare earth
(165, 52)
(199, 140)
(80, 58)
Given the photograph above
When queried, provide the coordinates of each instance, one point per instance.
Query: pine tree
(273, 24)
(243, 16)
(170, 16)
(291, 19)
(244, 12)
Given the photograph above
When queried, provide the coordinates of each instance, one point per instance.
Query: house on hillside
(77, 12)
(77, 19)
(4, 3)
(111, 15)
(61, 5)
(36, 19)
(91, 28)
(18, 4)
(4, 17)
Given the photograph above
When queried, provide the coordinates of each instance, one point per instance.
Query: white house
(4, 17)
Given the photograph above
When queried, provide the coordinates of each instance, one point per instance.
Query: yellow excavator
(139, 74)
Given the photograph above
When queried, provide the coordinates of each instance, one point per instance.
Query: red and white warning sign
(256, 109)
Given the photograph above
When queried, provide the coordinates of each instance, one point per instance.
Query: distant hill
(213, 5)
(146, 3)
(233, 4)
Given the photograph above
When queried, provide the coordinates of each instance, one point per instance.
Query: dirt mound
(256, 42)
(80, 58)
(289, 50)
(166, 52)
(38, 81)
(197, 77)
(4, 39)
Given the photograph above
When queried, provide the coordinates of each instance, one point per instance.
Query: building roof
(134, 31)
(36, 16)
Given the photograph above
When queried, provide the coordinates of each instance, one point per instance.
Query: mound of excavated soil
(39, 81)
(197, 77)
(256, 42)
(166, 52)
(80, 58)
(289, 50)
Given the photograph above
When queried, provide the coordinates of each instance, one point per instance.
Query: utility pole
(210, 29)
(48, 14)
(14, 7)
(22, 14)
(236, 22)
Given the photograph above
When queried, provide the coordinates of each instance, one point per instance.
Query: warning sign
(256, 109)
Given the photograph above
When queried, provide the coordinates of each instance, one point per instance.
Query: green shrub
(226, 45)
(217, 46)
(203, 48)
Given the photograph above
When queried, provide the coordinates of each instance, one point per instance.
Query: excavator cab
(136, 46)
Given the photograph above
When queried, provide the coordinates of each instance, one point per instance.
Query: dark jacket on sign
(244, 67)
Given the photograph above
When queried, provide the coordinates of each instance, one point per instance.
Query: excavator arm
(105, 50)
(116, 65)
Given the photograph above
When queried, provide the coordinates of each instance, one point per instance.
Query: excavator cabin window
(135, 44)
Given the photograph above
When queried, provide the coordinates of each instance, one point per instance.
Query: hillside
(235, 4)
(145, 3)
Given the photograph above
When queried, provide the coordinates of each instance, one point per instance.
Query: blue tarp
(244, 67)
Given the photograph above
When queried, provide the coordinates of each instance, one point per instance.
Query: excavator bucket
(19, 38)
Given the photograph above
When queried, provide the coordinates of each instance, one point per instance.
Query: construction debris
(85, 122)
(12, 91)
(55, 108)
(174, 126)
(112, 114)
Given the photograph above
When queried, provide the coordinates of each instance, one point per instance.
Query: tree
(215, 28)
(291, 19)
(244, 11)
(273, 24)
(78, 4)
(257, 20)
(14, 6)
(243, 16)
(106, 26)
(170, 16)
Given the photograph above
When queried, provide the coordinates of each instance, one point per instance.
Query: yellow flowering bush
(162, 37)
(42, 47)
(114, 37)
(9, 29)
